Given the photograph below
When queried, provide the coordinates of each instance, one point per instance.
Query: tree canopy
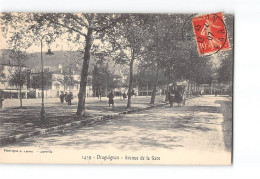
(153, 41)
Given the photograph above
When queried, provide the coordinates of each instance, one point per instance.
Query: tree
(36, 82)
(18, 79)
(204, 72)
(103, 79)
(161, 55)
(80, 27)
(2, 75)
(128, 40)
(144, 78)
(95, 81)
(201, 70)
(224, 72)
(70, 66)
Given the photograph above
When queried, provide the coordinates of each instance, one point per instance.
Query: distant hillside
(59, 57)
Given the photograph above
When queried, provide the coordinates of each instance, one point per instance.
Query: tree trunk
(147, 89)
(84, 74)
(70, 82)
(230, 89)
(21, 100)
(188, 90)
(154, 86)
(99, 93)
(167, 88)
(20, 88)
(194, 87)
(64, 82)
(130, 83)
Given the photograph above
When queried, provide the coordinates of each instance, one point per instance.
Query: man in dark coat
(69, 98)
(1, 98)
(99, 94)
(1, 102)
(124, 96)
(170, 98)
(66, 97)
(110, 99)
(133, 92)
(62, 96)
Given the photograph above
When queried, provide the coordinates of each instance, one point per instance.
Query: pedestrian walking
(99, 94)
(110, 99)
(170, 98)
(133, 92)
(66, 97)
(69, 98)
(62, 96)
(1, 102)
(124, 96)
(1, 98)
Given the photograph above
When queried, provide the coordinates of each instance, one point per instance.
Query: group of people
(67, 97)
(110, 97)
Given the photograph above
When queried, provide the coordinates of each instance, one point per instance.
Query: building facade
(57, 82)
(9, 90)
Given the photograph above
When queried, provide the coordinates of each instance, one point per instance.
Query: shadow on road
(159, 127)
(137, 131)
(208, 109)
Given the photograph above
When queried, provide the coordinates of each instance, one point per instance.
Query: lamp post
(42, 72)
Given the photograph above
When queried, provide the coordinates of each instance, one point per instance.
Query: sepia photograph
(116, 88)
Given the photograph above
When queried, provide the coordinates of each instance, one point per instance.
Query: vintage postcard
(116, 88)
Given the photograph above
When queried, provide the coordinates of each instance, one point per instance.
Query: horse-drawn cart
(177, 93)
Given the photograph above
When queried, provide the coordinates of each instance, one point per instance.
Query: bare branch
(63, 25)
(79, 21)
(120, 48)
(113, 22)
(88, 18)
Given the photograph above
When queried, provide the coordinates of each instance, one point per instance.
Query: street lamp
(48, 40)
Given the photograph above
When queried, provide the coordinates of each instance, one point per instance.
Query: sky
(62, 44)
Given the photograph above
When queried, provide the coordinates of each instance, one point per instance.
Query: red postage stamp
(210, 33)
